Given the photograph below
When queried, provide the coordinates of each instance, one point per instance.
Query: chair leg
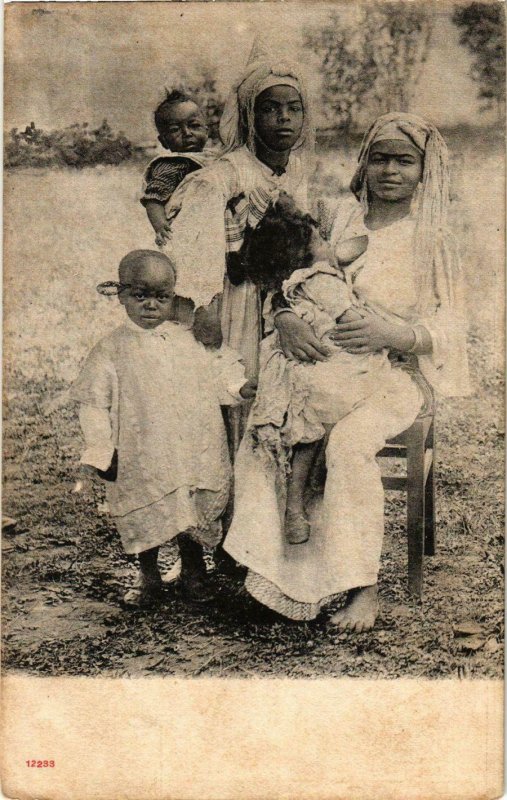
(429, 515)
(415, 513)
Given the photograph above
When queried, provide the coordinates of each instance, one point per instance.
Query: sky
(76, 62)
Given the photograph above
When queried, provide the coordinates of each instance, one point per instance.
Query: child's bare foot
(297, 527)
(146, 592)
(173, 574)
(360, 612)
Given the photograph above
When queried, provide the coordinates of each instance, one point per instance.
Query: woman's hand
(297, 339)
(371, 333)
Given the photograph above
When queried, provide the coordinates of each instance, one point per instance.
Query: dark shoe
(196, 589)
(9, 524)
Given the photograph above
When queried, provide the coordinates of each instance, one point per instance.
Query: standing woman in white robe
(267, 133)
(410, 269)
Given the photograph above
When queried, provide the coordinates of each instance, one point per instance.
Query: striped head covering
(431, 201)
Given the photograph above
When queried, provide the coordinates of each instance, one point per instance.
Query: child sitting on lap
(297, 403)
(182, 130)
(150, 398)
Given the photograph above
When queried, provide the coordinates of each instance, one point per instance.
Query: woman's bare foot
(360, 612)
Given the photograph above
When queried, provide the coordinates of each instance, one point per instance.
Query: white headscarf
(237, 122)
(431, 201)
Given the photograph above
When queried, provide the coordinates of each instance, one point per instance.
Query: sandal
(297, 527)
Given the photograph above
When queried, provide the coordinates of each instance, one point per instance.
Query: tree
(482, 28)
(211, 101)
(374, 62)
(77, 145)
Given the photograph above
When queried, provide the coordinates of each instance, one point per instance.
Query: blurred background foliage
(77, 145)
(482, 27)
(373, 64)
(368, 64)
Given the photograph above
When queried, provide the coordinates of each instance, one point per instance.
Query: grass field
(64, 571)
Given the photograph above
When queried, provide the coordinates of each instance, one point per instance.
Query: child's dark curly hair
(278, 245)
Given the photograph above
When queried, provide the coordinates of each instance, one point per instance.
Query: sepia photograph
(254, 351)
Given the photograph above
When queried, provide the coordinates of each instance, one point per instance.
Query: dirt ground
(64, 572)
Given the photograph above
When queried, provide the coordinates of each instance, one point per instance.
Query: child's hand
(111, 473)
(298, 340)
(249, 389)
(85, 478)
(163, 234)
(88, 474)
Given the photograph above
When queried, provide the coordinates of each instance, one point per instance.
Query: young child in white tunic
(150, 398)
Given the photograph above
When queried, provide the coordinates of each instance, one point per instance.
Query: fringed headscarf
(431, 200)
(237, 125)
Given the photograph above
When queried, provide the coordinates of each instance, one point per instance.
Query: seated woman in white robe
(411, 270)
(297, 402)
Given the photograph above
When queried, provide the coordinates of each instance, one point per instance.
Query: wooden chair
(416, 444)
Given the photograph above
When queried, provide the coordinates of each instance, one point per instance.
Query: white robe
(347, 525)
(155, 396)
(198, 244)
